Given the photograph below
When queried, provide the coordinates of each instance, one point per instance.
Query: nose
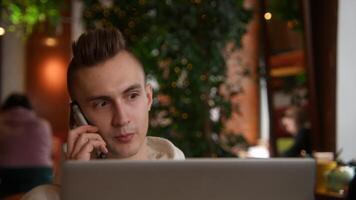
(120, 115)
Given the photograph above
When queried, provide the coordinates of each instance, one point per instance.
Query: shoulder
(43, 122)
(43, 192)
(163, 149)
(303, 134)
(42, 125)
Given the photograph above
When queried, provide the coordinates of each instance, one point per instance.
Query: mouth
(124, 138)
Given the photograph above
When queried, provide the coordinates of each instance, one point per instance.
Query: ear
(149, 96)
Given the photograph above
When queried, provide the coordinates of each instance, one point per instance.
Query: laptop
(192, 179)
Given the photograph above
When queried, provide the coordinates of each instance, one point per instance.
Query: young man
(108, 83)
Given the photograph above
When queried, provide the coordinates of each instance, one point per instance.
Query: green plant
(180, 44)
(288, 10)
(23, 15)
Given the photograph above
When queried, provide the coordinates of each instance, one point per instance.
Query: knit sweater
(159, 149)
(25, 139)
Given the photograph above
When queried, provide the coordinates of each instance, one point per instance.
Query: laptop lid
(192, 179)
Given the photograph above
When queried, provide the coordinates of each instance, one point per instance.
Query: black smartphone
(77, 118)
(77, 115)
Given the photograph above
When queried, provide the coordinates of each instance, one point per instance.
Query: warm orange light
(53, 74)
(50, 41)
(287, 71)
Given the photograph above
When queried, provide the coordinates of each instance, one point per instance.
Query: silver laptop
(192, 179)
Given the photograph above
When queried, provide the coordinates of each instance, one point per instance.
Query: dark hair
(16, 100)
(92, 48)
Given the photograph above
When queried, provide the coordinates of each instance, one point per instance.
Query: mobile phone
(78, 119)
(77, 115)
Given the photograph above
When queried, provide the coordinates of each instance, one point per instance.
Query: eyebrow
(136, 86)
(127, 90)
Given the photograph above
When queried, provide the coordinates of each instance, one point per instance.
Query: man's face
(115, 98)
(290, 125)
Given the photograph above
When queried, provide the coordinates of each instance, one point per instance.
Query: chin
(126, 151)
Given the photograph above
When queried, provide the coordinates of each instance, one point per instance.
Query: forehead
(108, 78)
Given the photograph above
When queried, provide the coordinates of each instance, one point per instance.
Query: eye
(101, 104)
(133, 96)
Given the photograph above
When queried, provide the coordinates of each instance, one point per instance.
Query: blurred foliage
(180, 44)
(23, 15)
(288, 10)
(233, 143)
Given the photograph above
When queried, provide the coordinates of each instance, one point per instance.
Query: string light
(2, 31)
(203, 77)
(177, 70)
(190, 66)
(184, 61)
(268, 16)
(185, 116)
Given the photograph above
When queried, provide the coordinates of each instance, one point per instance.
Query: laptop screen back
(195, 179)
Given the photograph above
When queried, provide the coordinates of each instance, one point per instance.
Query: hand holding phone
(83, 139)
(77, 115)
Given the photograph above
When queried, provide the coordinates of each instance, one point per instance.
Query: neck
(142, 154)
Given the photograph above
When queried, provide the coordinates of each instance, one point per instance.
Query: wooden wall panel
(46, 68)
(323, 38)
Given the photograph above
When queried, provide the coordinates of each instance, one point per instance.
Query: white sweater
(159, 149)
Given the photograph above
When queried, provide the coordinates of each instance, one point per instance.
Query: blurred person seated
(25, 147)
(296, 123)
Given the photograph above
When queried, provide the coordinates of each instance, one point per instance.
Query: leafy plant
(180, 44)
(23, 15)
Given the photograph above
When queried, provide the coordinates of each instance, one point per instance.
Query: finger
(83, 139)
(74, 134)
(104, 149)
(85, 151)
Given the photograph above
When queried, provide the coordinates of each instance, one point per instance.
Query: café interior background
(37, 66)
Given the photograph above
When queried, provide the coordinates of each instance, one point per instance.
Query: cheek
(140, 115)
(143, 126)
(100, 120)
(284, 122)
